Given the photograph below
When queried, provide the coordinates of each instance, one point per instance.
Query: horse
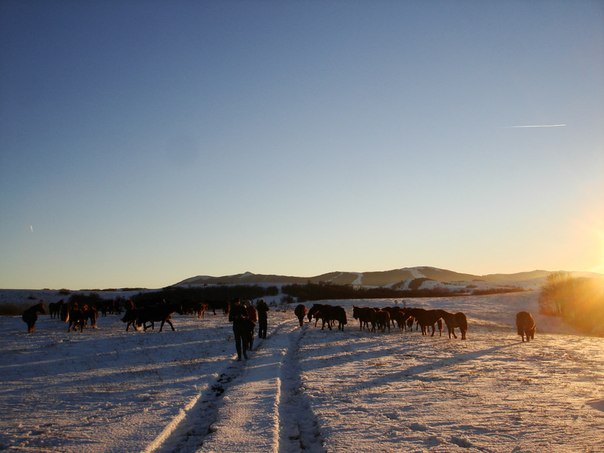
(77, 317)
(329, 314)
(30, 316)
(403, 319)
(300, 312)
(453, 320)
(525, 324)
(394, 313)
(315, 311)
(381, 320)
(426, 319)
(131, 316)
(200, 309)
(364, 315)
(338, 313)
(223, 305)
(54, 309)
(156, 313)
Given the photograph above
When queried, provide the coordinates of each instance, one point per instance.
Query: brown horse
(30, 316)
(328, 314)
(300, 312)
(453, 320)
(403, 319)
(316, 312)
(364, 315)
(78, 316)
(427, 319)
(525, 325)
(380, 320)
(338, 314)
(200, 309)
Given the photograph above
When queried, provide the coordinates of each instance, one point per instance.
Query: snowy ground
(303, 388)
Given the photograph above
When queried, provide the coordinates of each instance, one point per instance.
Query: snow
(415, 273)
(304, 389)
(359, 280)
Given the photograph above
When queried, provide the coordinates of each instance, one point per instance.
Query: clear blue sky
(143, 142)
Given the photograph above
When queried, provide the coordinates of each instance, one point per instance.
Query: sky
(146, 142)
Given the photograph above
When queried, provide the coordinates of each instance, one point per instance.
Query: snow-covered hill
(304, 389)
(397, 278)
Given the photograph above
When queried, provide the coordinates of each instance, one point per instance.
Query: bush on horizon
(579, 301)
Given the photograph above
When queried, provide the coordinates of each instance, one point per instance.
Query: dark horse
(54, 309)
(30, 316)
(453, 320)
(315, 311)
(328, 314)
(427, 319)
(78, 315)
(149, 315)
(364, 315)
(525, 325)
(300, 312)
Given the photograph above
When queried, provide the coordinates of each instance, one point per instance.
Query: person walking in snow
(252, 317)
(239, 317)
(262, 309)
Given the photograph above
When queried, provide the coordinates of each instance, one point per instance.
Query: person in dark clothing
(262, 309)
(252, 317)
(238, 316)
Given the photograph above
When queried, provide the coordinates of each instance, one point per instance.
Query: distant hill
(396, 278)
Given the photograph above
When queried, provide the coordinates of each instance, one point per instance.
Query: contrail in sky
(538, 125)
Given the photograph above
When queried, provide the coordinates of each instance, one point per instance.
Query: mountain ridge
(392, 278)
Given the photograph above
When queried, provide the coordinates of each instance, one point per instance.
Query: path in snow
(255, 405)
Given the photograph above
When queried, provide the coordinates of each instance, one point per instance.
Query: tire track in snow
(254, 405)
(239, 410)
(299, 427)
(248, 421)
(187, 431)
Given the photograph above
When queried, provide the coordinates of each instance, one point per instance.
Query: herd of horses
(403, 318)
(144, 315)
(383, 319)
(80, 315)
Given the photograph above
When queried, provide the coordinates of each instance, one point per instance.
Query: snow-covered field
(304, 388)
